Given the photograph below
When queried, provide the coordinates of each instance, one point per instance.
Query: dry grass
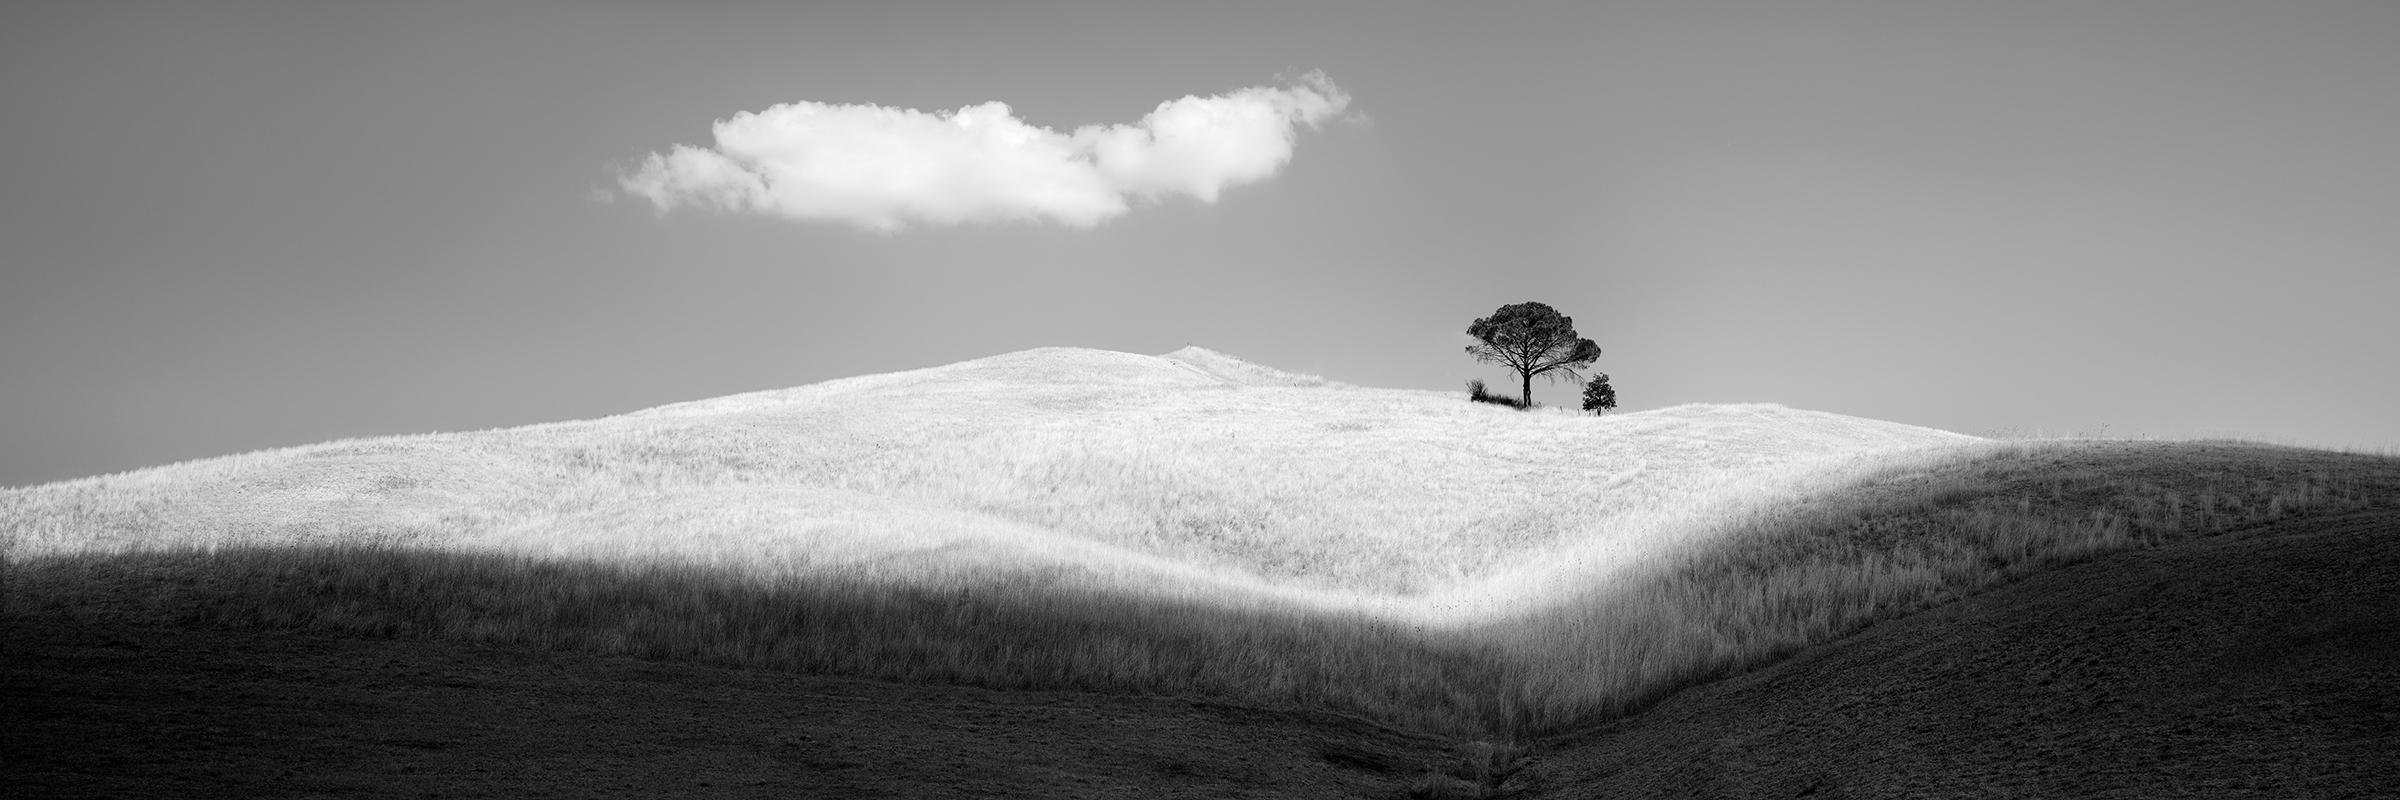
(1896, 538)
(1189, 524)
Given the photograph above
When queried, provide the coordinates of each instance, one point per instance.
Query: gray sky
(231, 226)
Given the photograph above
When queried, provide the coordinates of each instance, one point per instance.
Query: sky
(231, 226)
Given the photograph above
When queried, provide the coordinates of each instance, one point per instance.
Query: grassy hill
(2262, 662)
(1192, 467)
(1178, 524)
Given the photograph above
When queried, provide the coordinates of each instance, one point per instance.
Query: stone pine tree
(1598, 396)
(1533, 339)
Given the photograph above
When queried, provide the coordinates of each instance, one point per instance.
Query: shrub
(1477, 393)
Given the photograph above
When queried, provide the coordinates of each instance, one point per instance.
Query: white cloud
(883, 168)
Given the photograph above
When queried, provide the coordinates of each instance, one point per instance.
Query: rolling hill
(1187, 525)
(1189, 467)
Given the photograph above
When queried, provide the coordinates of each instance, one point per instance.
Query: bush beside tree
(1598, 396)
(1477, 393)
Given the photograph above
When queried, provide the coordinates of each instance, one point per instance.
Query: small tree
(1533, 339)
(1598, 396)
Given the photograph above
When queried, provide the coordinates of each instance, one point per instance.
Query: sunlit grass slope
(1187, 522)
(1192, 467)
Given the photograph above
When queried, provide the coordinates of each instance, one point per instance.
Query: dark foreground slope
(2263, 663)
(103, 712)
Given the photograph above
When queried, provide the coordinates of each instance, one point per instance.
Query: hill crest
(1190, 367)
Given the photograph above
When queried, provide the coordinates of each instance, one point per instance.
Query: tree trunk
(1525, 401)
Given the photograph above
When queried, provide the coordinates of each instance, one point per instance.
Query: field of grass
(1182, 523)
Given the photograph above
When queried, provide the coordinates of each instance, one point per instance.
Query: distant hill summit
(1083, 366)
(1064, 366)
(1052, 367)
(1237, 371)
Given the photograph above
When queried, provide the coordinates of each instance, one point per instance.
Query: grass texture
(1188, 523)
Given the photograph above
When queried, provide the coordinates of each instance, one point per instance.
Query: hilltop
(1186, 466)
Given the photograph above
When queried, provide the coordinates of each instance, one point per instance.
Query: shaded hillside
(117, 712)
(2263, 662)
